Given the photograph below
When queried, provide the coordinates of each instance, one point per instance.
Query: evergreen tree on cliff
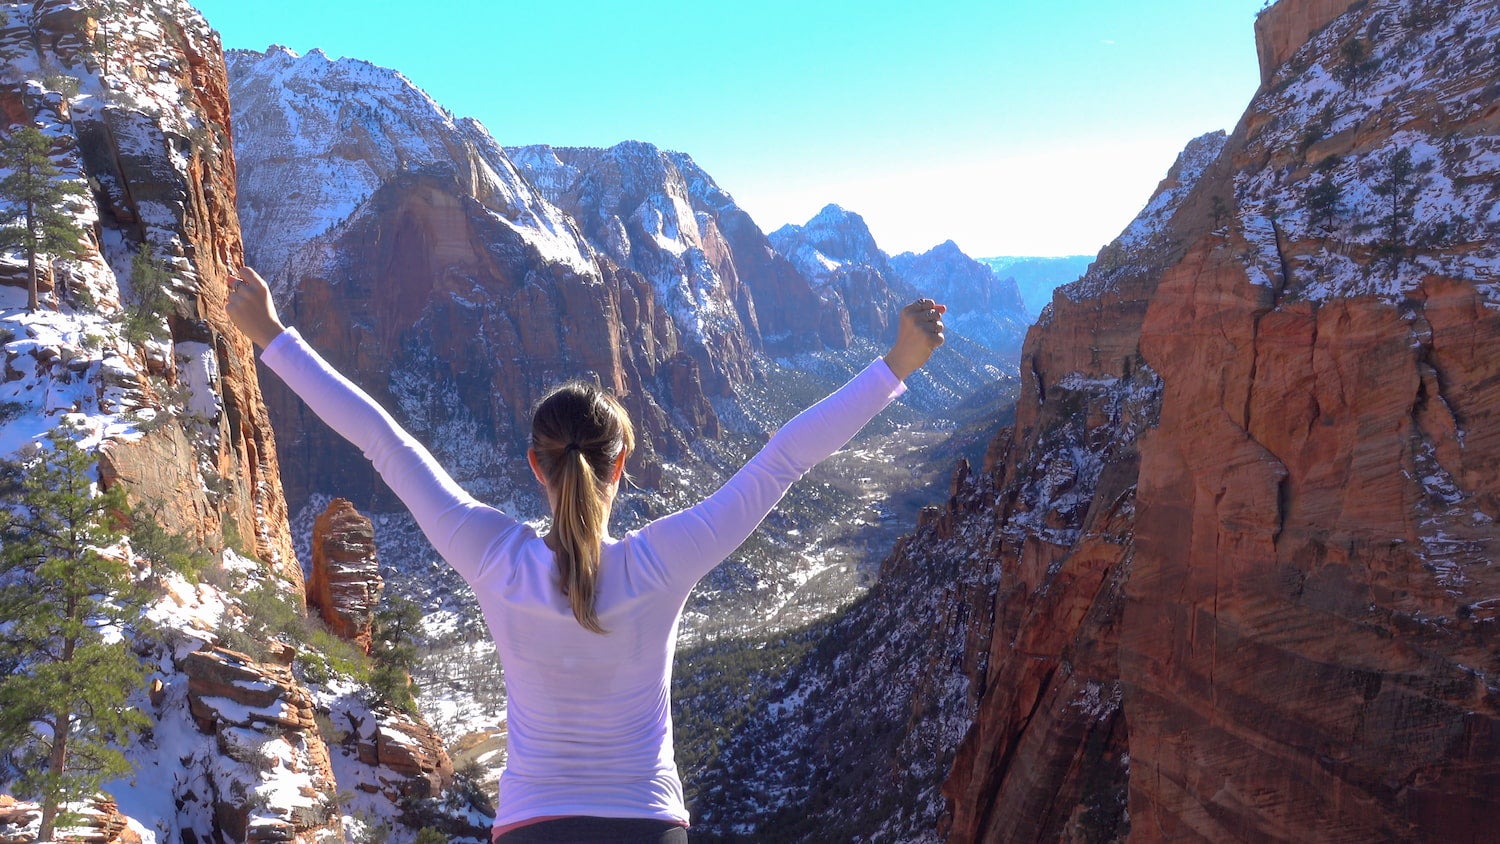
(33, 220)
(67, 672)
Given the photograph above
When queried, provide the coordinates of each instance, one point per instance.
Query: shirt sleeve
(689, 543)
(459, 527)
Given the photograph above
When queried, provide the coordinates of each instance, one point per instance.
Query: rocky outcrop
(344, 584)
(1263, 572)
(17, 817)
(985, 308)
(263, 723)
(411, 760)
(100, 823)
(1282, 29)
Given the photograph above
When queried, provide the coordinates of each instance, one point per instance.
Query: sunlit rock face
(1258, 603)
(142, 120)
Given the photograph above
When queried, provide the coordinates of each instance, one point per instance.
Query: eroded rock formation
(264, 723)
(344, 585)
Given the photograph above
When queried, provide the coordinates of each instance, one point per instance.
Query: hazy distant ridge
(1038, 277)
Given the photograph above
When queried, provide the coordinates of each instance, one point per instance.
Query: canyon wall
(241, 747)
(1260, 605)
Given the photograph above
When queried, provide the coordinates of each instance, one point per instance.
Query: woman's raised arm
(459, 527)
(691, 542)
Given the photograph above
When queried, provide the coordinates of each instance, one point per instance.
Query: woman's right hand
(920, 332)
(251, 308)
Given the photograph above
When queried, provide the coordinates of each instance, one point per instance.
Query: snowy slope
(316, 137)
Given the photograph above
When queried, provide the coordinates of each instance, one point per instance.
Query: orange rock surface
(1281, 559)
(344, 584)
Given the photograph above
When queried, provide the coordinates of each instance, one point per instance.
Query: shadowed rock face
(1260, 605)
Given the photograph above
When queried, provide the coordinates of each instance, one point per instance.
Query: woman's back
(585, 708)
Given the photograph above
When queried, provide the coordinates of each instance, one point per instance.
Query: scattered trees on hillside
(65, 669)
(33, 219)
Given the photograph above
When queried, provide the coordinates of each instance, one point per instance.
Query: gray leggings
(586, 830)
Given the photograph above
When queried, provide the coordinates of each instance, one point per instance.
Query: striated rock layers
(1246, 532)
(264, 726)
(344, 584)
(144, 121)
(438, 278)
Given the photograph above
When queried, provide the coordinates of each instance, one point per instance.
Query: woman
(585, 624)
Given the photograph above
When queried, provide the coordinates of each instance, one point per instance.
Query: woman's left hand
(251, 308)
(919, 333)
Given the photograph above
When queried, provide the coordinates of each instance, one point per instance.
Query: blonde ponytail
(579, 433)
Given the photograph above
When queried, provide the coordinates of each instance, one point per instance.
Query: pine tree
(63, 697)
(394, 653)
(150, 299)
(1400, 186)
(34, 195)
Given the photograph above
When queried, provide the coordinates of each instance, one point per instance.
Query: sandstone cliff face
(144, 121)
(1046, 755)
(1274, 590)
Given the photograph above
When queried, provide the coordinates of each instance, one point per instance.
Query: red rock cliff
(162, 175)
(1277, 594)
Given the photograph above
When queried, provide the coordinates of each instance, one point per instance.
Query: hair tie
(572, 447)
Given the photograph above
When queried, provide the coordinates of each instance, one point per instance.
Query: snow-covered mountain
(320, 137)
(986, 309)
(836, 251)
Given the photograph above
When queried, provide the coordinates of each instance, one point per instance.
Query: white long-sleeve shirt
(590, 723)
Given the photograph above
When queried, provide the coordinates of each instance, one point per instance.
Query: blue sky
(1030, 128)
